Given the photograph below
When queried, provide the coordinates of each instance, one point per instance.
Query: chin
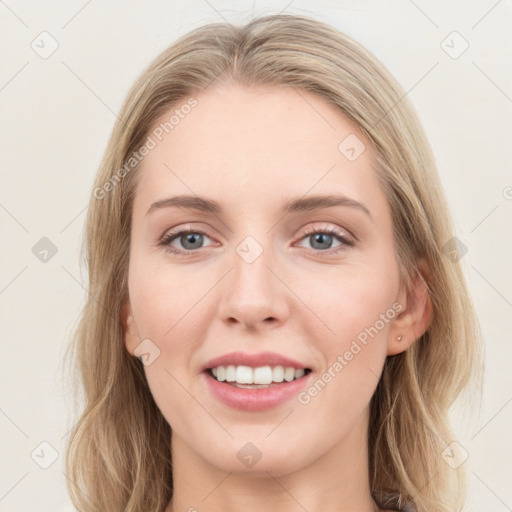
(257, 459)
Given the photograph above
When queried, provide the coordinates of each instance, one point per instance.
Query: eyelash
(345, 240)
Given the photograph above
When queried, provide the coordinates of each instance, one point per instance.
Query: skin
(250, 149)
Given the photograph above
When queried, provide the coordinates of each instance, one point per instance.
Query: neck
(335, 482)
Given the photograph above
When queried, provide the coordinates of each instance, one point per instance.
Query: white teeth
(221, 373)
(231, 373)
(289, 374)
(262, 375)
(278, 374)
(244, 375)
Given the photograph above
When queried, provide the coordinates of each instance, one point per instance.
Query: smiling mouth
(261, 377)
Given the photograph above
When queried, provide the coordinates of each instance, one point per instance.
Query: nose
(253, 295)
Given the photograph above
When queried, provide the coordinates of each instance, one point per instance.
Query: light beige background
(56, 115)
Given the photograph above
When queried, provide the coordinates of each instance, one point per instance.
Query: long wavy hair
(118, 455)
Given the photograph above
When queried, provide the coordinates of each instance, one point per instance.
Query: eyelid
(200, 227)
(175, 232)
(346, 239)
(329, 227)
(345, 236)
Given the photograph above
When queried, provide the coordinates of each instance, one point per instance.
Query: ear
(130, 331)
(416, 315)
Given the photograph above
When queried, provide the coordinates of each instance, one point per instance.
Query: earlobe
(130, 331)
(416, 317)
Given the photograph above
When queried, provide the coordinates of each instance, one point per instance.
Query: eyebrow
(300, 204)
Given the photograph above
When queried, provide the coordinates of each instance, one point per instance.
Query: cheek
(164, 299)
(353, 312)
(165, 318)
(168, 310)
(347, 300)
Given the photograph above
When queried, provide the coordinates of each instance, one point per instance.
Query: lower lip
(255, 399)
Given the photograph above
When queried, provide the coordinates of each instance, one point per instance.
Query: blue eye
(323, 239)
(191, 241)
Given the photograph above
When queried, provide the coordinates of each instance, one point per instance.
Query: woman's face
(269, 272)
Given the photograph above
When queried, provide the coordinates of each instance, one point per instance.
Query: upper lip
(253, 360)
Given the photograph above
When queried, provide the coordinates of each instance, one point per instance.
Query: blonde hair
(118, 456)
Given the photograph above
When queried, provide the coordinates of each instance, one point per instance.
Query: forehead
(253, 145)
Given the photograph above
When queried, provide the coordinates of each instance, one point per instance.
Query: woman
(275, 317)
